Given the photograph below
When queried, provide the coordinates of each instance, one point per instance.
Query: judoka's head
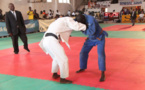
(81, 19)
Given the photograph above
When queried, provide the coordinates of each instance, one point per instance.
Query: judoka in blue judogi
(96, 36)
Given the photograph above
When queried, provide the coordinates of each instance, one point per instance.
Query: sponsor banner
(130, 2)
(3, 30)
(127, 19)
(31, 26)
(44, 24)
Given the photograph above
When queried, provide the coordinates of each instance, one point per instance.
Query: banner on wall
(130, 2)
(44, 24)
(31, 26)
(3, 30)
(103, 4)
(99, 4)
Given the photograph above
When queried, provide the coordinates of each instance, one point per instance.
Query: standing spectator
(121, 13)
(69, 13)
(1, 15)
(131, 10)
(136, 11)
(142, 10)
(16, 27)
(89, 4)
(127, 12)
(50, 14)
(102, 15)
(36, 16)
(30, 14)
(133, 17)
(139, 11)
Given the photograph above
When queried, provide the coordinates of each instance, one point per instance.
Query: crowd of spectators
(2, 17)
(33, 14)
(48, 15)
(138, 11)
(126, 11)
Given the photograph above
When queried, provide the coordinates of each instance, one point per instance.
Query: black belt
(51, 34)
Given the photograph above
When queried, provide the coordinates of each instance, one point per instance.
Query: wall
(115, 7)
(22, 5)
(118, 7)
(78, 4)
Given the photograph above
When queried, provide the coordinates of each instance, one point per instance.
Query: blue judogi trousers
(88, 45)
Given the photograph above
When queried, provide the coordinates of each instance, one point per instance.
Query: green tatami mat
(118, 34)
(8, 82)
(32, 38)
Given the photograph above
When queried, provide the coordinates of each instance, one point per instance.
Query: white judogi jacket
(63, 27)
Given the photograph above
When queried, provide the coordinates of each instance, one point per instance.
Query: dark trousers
(84, 54)
(133, 21)
(15, 40)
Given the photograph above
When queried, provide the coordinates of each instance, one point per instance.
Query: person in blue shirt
(96, 36)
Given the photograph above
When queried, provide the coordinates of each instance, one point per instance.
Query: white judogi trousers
(56, 51)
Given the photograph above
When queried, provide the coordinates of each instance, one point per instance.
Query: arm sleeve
(8, 24)
(75, 25)
(91, 29)
(22, 20)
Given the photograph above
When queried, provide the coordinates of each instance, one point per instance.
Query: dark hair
(81, 18)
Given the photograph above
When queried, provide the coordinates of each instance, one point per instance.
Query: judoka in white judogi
(63, 27)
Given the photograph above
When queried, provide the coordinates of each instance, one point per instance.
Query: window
(60, 1)
(68, 1)
(49, 0)
(64, 1)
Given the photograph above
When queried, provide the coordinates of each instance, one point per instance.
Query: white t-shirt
(141, 15)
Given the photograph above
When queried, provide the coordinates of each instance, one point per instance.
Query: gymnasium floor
(125, 61)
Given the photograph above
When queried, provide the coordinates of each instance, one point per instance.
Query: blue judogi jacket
(93, 31)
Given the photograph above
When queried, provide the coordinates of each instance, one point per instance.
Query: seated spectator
(36, 16)
(142, 10)
(69, 13)
(44, 13)
(50, 13)
(141, 17)
(41, 16)
(30, 14)
(1, 16)
(57, 13)
(73, 13)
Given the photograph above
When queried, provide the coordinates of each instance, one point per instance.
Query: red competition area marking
(125, 28)
(125, 62)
